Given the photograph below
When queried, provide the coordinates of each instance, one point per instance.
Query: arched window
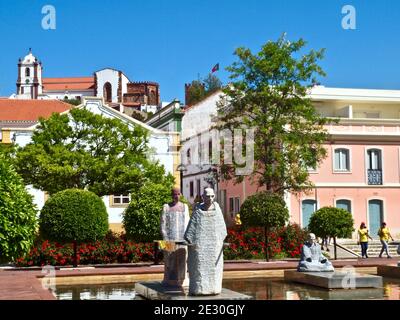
(344, 204)
(375, 216)
(107, 90)
(308, 207)
(27, 72)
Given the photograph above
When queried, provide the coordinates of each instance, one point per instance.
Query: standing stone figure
(174, 220)
(312, 258)
(205, 234)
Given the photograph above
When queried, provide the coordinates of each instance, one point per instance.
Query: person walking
(326, 243)
(384, 235)
(363, 236)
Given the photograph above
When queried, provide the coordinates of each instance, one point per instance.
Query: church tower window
(27, 72)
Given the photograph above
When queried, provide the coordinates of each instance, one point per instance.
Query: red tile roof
(30, 110)
(64, 84)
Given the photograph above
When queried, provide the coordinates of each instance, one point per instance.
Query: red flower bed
(284, 242)
(112, 249)
(244, 244)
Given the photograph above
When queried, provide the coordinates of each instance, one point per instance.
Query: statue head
(208, 196)
(312, 238)
(175, 194)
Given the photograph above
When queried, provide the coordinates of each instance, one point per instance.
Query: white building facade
(197, 147)
(164, 145)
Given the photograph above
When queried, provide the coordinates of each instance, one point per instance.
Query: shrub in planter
(331, 222)
(264, 209)
(142, 217)
(18, 221)
(74, 215)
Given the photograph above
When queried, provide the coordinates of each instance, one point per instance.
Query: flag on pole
(215, 68)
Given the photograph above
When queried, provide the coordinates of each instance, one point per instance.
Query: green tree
(331, 222)
(202, 88)
(75, 102)
(268, 93)
(18, 220)
(142, 218)
(8, 151)
(264, 209)
(212, 83)
(196, 92)
(75, 216)
(87, 151)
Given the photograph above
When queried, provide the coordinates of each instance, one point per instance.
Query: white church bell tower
(29, 83)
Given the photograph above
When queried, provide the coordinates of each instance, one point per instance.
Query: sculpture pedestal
(153, 290)
(389, 271)
(335, 280)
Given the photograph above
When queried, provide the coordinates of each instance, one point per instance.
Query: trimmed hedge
(73, 215)
(18, 221)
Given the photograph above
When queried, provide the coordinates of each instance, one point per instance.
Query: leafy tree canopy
(87, 151)
(200, 89)
(264, 209)
(268, 92)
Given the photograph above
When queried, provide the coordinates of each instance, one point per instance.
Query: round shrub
(264, 209)
(18, 220)
(73, 215)
(332, 222)
(142, 217)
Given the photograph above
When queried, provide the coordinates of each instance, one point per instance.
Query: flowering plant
(249, 243)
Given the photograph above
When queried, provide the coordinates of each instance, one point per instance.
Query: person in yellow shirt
(363, 236)
(384, 235)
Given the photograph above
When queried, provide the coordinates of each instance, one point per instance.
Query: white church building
(113, 85)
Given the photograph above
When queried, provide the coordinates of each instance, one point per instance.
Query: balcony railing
(374, 176)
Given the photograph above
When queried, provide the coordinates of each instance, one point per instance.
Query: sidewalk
(26, 284)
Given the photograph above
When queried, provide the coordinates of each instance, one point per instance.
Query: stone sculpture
(398, 252)
(205, 234)
(312, 258)
(174, 220)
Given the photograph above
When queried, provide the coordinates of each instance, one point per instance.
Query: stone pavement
(26, 284)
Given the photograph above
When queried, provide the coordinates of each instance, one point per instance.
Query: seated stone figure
(312, 258)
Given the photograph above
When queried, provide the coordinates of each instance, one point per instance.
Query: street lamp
(213, 178)
(181, 168)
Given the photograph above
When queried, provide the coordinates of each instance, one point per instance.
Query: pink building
(362, 170)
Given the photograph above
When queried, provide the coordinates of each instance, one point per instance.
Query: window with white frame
(237, 204)
(342, 160)
(344, 204)
(121, 199)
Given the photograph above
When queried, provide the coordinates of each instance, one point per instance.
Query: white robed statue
(205, 234)
(174, 220)
(312, 259)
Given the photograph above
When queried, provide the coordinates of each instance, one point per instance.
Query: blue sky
(172, 41)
